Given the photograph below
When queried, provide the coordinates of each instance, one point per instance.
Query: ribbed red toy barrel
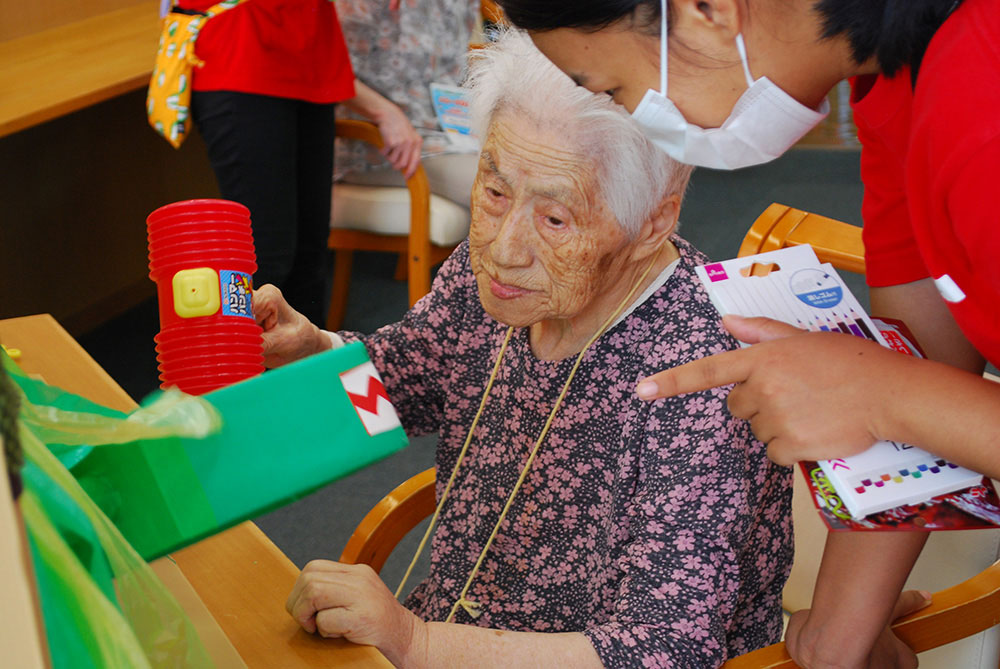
(201, 256)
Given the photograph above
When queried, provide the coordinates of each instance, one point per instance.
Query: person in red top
(264, 104)
(730, 83)
(927, 166)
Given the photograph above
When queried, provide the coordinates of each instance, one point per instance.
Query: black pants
(275, 156)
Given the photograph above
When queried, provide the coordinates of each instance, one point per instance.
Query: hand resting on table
(351, 601)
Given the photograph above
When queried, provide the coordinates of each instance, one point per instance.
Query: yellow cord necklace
(471, 607)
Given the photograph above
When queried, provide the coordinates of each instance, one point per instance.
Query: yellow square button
(196, 292)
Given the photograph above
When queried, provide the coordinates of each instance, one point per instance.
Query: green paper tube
(151, 493)
(292, 430)
(285, 433)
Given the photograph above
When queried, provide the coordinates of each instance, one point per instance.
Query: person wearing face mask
(747, 78)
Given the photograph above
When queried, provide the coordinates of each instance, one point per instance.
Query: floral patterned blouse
(399, 53)
(659, 530)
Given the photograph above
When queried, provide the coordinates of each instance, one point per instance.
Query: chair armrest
(419, 245)
(390, 520)
(954, 613)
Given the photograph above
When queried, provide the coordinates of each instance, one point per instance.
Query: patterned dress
(399, 53)
(659, 530)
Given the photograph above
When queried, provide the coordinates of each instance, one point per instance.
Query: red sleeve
(883, 119)
(958, 232)
(972, 216)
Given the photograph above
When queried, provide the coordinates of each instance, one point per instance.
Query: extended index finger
(710, 372)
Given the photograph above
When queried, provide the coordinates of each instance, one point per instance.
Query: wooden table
(240, 575)
(60, 70)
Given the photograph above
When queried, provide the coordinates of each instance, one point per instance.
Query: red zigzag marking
(369, 401)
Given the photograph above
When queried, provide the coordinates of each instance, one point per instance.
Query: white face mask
(765, 122)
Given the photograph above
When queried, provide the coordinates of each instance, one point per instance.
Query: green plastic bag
(101, 602)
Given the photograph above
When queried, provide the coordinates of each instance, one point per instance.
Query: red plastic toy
(202, 258)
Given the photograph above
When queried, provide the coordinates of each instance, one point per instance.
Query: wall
(73, 200)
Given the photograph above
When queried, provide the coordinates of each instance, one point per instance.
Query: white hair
(511, 74)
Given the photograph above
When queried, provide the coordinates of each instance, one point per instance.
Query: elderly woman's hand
(351, 601)
(288, 335)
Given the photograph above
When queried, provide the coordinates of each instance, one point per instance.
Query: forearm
(401, 141)
(919, 305)
(944, 411)
(949, 412)
(451, 645)
(368, 102)
(859, 582)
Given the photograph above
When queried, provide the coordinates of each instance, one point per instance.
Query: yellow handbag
(168, 99)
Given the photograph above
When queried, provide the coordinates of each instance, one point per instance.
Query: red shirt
(929, 166)
(283, 48)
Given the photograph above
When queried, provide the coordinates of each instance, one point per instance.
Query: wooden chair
(373, 218)
(491, 12)
(957, 612)
(779, 226)
(358, 225)
(375, 537)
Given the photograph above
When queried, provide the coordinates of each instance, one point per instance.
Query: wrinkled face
(543, 243)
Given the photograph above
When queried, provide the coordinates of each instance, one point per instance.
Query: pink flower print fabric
(659, 530)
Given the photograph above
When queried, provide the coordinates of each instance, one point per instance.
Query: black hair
(895, 32)
(586, 15)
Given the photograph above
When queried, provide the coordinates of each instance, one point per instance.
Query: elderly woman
(643, 534)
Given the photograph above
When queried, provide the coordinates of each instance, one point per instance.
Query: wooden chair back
(834, 241)
(955, 613)
(390, 520)
(416, 247)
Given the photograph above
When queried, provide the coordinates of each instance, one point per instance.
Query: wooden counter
(66, 68)
(239, 575)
